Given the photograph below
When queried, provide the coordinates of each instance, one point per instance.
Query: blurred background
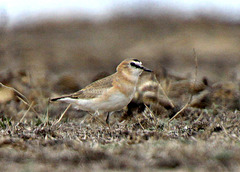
(77, 38)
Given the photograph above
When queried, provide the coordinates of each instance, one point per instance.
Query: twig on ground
(62, 115)
(24, 99)
(140, 124)
(11, 88)
(98, 119)
(196, 66)
(151, 113)
(181, 110)
(36, 113)
(228, 135)
(164, 91)
(195, 80)
(47, 116)
(26, 112)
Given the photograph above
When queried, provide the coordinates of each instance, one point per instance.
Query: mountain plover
(108, 94)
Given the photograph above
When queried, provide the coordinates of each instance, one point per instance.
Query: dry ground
(50, 58)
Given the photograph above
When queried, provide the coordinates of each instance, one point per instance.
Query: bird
(108, 94)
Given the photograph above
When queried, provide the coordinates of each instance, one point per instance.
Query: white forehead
(137, 62)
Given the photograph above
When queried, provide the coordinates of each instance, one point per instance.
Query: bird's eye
(135, 65)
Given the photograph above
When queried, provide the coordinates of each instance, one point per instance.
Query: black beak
(146, 69)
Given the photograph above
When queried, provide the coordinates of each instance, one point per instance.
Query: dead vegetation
(42, 60)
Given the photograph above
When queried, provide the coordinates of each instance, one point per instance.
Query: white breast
(115, 102)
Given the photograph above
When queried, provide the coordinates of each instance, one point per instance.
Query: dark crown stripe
(136, 60)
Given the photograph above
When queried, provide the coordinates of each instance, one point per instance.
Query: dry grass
(45, 59)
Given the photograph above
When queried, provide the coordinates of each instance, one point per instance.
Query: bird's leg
(108, 117)
(108, 122)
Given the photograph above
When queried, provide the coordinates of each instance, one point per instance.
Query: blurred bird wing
(94, 89)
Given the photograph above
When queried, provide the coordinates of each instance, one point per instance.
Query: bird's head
(132, 66)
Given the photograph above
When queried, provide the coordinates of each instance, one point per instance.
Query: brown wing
(94, 89)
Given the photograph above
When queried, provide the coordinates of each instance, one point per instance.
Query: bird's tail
(57, 98)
